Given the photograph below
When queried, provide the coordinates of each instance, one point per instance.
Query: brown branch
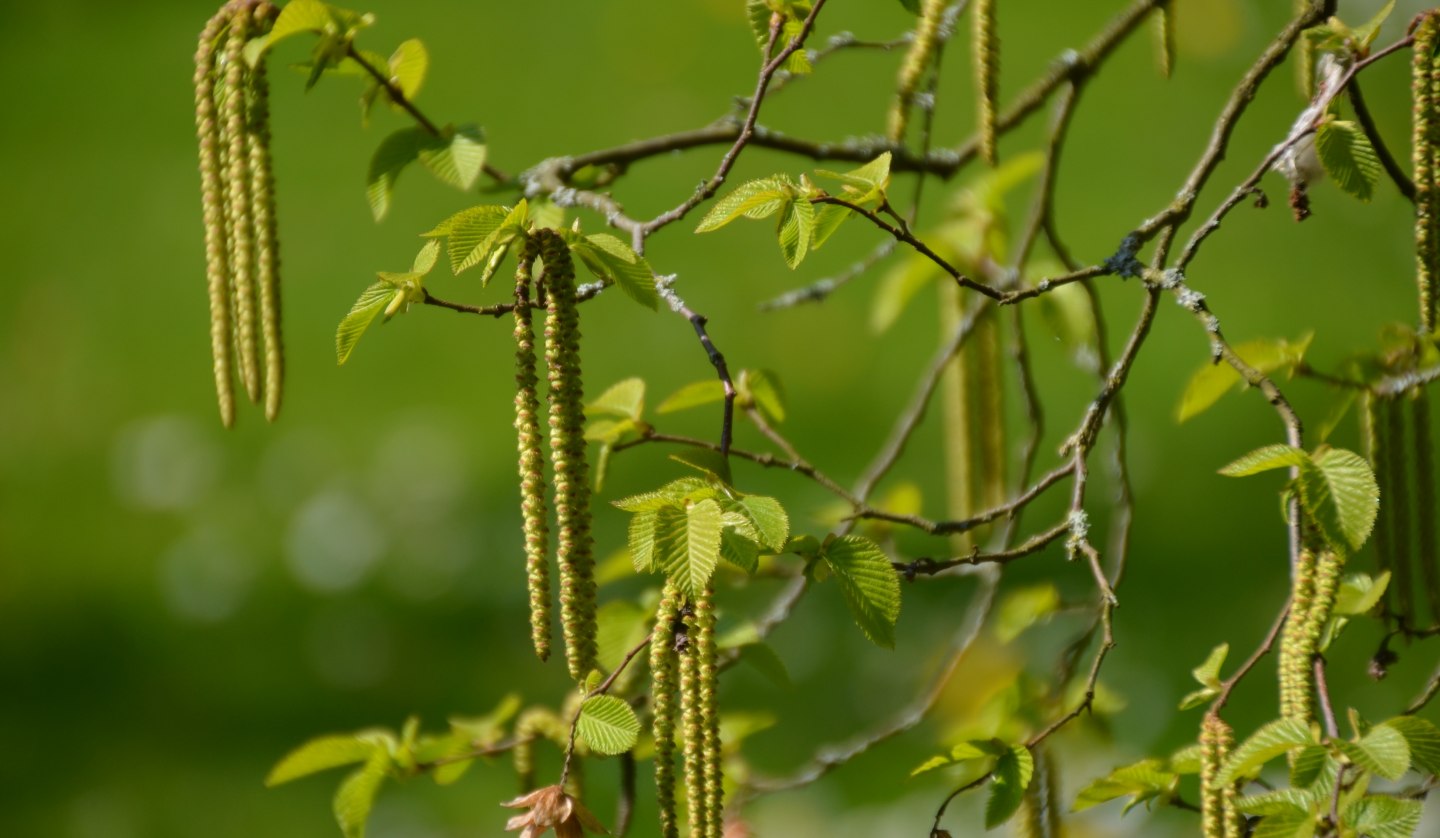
(1372, 133)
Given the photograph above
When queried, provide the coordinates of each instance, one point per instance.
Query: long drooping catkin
(1397, 505)
(241, 238)
(987, 75)
(693, 726)
(707, 673)
(1294, 650)
(1372, 432)
(1426, 141)
(262, 197)
(532, 460)
(567, 453)
(1425, 510)
(217, 249)
(912, 70)
(1218, 816)
(663, 674)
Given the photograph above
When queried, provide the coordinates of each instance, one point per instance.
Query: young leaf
(625, 399)
(1271, 740)
(1278, 802)
(1365, 34)
(795, 229)
(687, 544)
(1423, 738)
(1266, 459)
(1013, 772)
(320, 754)
(1382, 816)
(737, 548)
(1208, 673)
(608, 725)
(373, 300)
(869, 583)
(866, 183)
(1142, 781)
(1212, 381)
(1023, 608)
(456, 157)
(762, 389)
(755, 199)
(643, 529)
(1339, 491)
(1308, 765)
(693, 395)
(1382, 751)
(408, 65)
(612, 260)
(768, 517)
(356, 795)
(396, 151)
(1348, 158)
(471, 235)
(1359, 594)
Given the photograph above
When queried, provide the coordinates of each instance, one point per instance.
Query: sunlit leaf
(1266, 459)
(408, 65)
(1213, 380)
(1382, 751)
(870, 585)
(625, 399)
(1141, 781)
(1338, 489)
(373, 300)
(1382, 816)
(457, 157)
(356, 795)
(320, 754)
(1271, 740)
(396, 151)
(755, 199)
(1348, 158)
(693, 395)
(1013, 772)
(1423, 738)
(608, 725)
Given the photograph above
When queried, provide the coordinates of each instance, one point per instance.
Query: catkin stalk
(663, 675)
(693, 727)
(1426, 141)
(918, 58)
(987, 75)
(567, 451)
(532, 462)
(217, 255)
(707, 673)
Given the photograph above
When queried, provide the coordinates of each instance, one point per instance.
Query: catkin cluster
(1316, 582)
(987, 75)
(574, 553)
(1401, 450)
(1218, 816)
(683, 656)
(1425, 90)
(242, 259)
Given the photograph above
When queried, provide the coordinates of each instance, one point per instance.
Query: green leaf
(762, 389)
(772, 525)
(1186, 760)
(767, 663)
(795, 229)
(1266, 459)
(608, 725)
(356, 795)
(864, 184)
(1213, 380)
(625, 399)
(408, 65)
(693, 395)
(1289, 825)
(1365, 34)
(1271, 740)
(613, 261)
(1348, 158)
(1382, 816)
(1013, 772)
(755, 199)
(643, 529)
(673, 494)
(1382, 751)
(1423, 738)
(471, 235)
(1198, 698)
(1308, 765)
(1208, 673)
(1359, 594)
(425, 259)
(1339, 491)
(320, 754)
(373, 300)
(869, 583)
(1278, 802)
(1023, 608)
(738, 548)
(297, 16)
(687, 544)
(456, 157)
(1141, 781)
(396, 151)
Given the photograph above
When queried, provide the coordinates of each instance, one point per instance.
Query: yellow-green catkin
(1322, 605)
(1304, 58)
(693, 731)
(987, 75)
(262, 196)
(1395, 509)
(1425, 511)
(531, 726)
(567, 452)
(918, 58)
(663, 686)
(1165, 37)
(1372, 423)
(1218, 816)
(241, 209)
(1294, 649)
(1426, 141)
(707, 672)
(532, 460)
(217, 249)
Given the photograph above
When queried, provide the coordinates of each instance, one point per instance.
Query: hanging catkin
(923, 44)
(1294, 651)
(567, 453)
(663, 674)
(1218, 816)
(707, 673)
(1426, 140)
(1372, 432)
(987, 75)
(238, 196)
(217, 250)
(1397, 503)
(1425, 510)
(693, 729)
(532, 461)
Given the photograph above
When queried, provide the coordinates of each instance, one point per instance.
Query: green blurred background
(179, 605)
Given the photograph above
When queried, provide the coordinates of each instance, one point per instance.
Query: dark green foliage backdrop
(180, 605)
